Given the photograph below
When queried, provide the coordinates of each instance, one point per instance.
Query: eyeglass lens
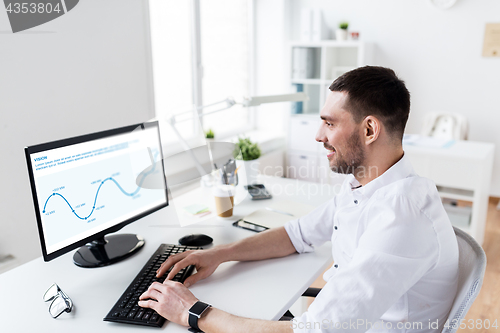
(58, 306)
(51, 293)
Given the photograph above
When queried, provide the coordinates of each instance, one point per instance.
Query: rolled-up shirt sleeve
(313, 229)
(393, 253)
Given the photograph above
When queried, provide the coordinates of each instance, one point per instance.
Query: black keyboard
(126, 309)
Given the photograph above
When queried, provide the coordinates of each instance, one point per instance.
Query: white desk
(261, 289)
(463, 170)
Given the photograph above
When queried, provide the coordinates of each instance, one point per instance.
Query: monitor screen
(88, 186)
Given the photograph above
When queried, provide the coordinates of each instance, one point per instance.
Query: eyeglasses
(60, 301)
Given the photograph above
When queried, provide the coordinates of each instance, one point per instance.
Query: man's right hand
(205, 261)
(272, 243)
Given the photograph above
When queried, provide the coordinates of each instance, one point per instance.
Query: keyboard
(126, 309)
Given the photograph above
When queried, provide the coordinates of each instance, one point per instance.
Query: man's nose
(320, 137)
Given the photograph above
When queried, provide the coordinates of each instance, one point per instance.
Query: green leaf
(249, 150)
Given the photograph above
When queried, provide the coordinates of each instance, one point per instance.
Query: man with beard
(395, 253)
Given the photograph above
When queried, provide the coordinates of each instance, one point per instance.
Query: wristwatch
(195, 313)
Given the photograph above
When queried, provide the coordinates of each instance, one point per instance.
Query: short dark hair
(377, 91)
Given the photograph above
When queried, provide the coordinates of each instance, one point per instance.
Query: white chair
(449, 126)
(471, 267)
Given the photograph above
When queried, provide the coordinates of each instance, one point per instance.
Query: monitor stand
(107, 250)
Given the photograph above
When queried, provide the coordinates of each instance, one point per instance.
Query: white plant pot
(209, 142)
(251, 170)
(208, 180)
(341, 34)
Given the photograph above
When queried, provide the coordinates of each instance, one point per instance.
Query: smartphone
(249, 226)
(258, 192)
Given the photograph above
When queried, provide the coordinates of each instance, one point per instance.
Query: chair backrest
(449, 126)
(471, 267)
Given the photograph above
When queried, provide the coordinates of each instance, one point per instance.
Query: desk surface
(261, 289)
(473, 150)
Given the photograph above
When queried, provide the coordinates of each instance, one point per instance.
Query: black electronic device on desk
(196, 240)
(126, 310)
(249, 226)
(89, 186)
(258, 191)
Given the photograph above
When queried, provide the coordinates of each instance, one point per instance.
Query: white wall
(271, 58)
(437, 53)
(86, 71)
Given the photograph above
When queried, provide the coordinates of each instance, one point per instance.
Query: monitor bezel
(76, 140)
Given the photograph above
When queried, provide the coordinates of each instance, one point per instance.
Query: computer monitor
(89, 186)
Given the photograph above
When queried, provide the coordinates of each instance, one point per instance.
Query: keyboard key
(139, 315)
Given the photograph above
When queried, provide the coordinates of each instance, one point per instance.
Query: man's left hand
(172, 300)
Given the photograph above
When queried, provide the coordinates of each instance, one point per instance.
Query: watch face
(443, 4)
(198, 308)
(195, 313)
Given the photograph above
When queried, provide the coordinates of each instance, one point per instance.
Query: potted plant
(208, 180)
(209, 137)
(209, 134)
(341, 33)
(248, 152)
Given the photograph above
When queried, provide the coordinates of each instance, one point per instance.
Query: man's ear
(371, 129)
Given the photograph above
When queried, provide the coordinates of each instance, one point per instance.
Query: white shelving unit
(306, 159)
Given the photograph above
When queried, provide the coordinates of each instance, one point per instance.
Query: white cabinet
(314, 66)
(305, 167)
(306, 158)
(461, 171)
(302, 134)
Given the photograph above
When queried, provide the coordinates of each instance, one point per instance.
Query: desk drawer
(303, 167)
(302, 134)
(448, 171)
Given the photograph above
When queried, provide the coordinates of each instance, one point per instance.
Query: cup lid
(223, 190)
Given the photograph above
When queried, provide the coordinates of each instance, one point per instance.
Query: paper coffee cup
(224, 200)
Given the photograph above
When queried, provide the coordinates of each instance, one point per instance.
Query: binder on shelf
(305, 24)
(296, 63)
(319, 30)
(298, 107)
(312, 25)
(303, 63)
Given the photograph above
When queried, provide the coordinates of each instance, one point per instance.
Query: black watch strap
(195, 313)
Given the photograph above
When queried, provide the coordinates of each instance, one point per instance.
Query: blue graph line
(97, 193)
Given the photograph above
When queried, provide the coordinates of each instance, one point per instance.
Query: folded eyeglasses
(60, 301)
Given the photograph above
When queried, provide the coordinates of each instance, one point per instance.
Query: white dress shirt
(395, 256)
